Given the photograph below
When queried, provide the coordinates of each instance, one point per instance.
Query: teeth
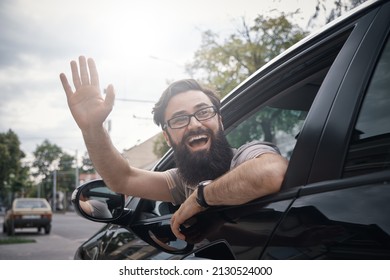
(198, 137)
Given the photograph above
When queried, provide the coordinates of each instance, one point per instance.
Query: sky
(138, 46)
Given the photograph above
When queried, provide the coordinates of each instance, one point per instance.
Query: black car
(326, 104)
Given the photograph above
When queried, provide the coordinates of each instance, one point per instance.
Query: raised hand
(86, 103)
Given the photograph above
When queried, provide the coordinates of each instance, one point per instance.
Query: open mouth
(198, 141)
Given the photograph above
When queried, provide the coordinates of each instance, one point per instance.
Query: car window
(275, 125)
(291, 90)
(369, 149)
(30, 204)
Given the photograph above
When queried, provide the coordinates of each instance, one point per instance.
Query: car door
(343, 214)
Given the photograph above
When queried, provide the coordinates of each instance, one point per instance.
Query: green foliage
(66, 176)
(264, 126)
(13, 174)
(15, 240)
(47, 158)
(87, 165)
(223, 65)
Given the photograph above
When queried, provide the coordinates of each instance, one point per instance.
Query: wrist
(200, 197)
(92, 133)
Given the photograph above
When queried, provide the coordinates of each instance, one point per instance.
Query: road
(68, 232)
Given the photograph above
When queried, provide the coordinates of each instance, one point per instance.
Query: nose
(194, 123)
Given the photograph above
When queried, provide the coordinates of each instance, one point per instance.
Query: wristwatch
(200, 197)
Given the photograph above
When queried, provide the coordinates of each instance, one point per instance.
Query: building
(141, 155)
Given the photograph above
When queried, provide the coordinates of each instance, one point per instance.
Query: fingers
(93, 72)
(84, 75)
(75, 74)
(175, 228)
(65, 85)
(110, 96)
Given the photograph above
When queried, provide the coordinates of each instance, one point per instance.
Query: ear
(166, 137)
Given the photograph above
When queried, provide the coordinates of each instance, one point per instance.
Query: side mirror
(95, 201)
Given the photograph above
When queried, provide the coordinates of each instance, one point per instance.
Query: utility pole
(77, 171)
(54, 196)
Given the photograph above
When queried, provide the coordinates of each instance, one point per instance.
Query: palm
(87, 105)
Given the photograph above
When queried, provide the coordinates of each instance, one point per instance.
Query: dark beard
(195, 167)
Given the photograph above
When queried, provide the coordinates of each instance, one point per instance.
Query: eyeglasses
(182, 121)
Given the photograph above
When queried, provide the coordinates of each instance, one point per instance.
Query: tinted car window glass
(370, 145)
(279, 126)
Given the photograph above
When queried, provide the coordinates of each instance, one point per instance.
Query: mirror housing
(96, 202)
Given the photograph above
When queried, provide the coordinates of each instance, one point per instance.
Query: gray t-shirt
(99, 209)
(180, 191)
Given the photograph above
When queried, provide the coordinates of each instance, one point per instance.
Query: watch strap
(200, 199)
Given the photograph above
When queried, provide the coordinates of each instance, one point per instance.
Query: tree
(224, 64)
(87, 165)
(66, 175)
(14, 177)
(47, 158)
(339, 8)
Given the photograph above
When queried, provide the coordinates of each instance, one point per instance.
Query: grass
(15, 240)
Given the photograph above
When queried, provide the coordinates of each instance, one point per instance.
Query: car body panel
(341, 219)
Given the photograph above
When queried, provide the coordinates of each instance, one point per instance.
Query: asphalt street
(68, 232)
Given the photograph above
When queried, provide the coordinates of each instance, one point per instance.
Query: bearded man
(208, 172)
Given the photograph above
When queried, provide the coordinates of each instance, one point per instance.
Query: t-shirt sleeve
(175, 186)
(252, 150)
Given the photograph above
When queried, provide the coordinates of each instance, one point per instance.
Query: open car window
(280, 118)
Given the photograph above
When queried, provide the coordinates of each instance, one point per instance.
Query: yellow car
(28, 213)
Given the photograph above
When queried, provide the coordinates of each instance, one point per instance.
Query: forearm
(252, 179)
(107, 160)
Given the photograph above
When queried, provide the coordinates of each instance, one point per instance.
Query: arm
(252, 179)
(90, 109)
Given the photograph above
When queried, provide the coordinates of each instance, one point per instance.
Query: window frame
(368, 39)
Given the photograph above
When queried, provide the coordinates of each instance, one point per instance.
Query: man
(192, 126)
(94, 208)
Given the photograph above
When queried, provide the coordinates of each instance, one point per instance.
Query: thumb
(110, 96)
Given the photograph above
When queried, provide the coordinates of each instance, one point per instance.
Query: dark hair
(177, 88)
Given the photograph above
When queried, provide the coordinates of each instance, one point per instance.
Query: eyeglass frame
(167, 123)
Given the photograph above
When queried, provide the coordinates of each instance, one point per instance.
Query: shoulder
(252, 150)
